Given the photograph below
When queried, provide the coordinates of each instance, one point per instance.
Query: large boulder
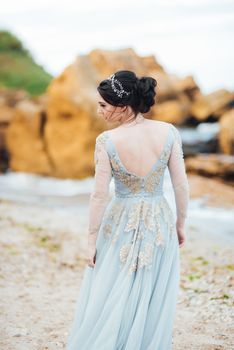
(226, 134)
(72, 120)
(25, 141)
(62, 131)
(215, 165)
(8, 101)
(173, 111)
(212, 105)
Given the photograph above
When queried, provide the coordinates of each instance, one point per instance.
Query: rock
(106, 62)
(55, 135)
(166, 91)
(6, 115)
(218, 165)
(72, 123)
(226, 134)
(186, 85)
(8, 100)
(213, 104)
(172, 111)
(10, 97)
(171, 87)
(25, 142)
(151, 64)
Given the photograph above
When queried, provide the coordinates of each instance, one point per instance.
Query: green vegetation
(224, 296)
(192, 277)
(48, 243)
(18, 70)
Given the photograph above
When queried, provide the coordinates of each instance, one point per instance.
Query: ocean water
(68, 200)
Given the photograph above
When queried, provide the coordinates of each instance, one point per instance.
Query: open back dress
(127, 301)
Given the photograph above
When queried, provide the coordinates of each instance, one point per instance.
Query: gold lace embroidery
(114, 215)
(132, 182)
(140, 210)
(146, 255)
(124, 252)
(116, 211)
(159, 240)
(155, 177)
(143, 210)
(136, 183)
(116, 235)
(100, 141)
(134, 216)
(115, 164)
(150, 216)
(144, 258)
(107, 230)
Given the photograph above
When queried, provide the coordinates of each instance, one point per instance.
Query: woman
(128, 295)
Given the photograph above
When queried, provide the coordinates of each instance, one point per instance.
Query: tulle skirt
(128, 300)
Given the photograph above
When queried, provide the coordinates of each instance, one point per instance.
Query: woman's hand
(91, 254)
(180, 235)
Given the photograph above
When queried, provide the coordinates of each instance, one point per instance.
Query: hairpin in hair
(119, 91)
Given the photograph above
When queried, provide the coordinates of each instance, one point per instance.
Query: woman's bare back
(140, 145)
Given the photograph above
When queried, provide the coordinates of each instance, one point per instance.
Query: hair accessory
(119, 91)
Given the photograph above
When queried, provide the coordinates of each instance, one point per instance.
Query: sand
(42, 264)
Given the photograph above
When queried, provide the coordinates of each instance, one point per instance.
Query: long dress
(127, 301)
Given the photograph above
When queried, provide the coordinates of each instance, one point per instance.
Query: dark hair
(142, 91)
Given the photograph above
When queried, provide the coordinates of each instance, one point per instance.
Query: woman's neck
(133, 120)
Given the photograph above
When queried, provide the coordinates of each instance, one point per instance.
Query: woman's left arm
(100, 193)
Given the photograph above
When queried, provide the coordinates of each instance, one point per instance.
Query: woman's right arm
(176, 166)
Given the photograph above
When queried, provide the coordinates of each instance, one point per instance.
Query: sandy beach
(42, 264)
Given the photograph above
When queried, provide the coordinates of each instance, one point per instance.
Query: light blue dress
(128, 300)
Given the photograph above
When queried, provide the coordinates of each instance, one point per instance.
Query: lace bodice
(108, 164)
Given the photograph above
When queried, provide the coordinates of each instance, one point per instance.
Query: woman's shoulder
(161, 125)
(101, 138)
(167, 125)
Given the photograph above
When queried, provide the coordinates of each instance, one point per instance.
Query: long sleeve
(100, 193)
(176, 166)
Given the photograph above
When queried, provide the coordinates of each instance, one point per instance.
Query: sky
(187, 37)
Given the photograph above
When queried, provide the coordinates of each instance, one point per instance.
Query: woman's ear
(124, 108)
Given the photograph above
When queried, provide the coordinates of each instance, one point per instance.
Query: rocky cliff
(56, 135)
